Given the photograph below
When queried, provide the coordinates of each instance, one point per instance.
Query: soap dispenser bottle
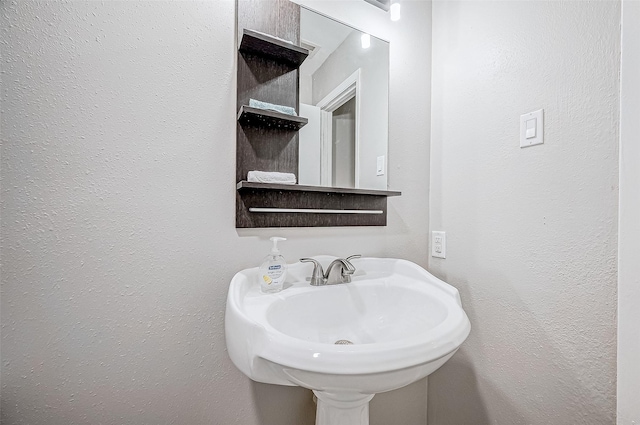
(273, 269)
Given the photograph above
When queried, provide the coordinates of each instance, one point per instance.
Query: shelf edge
(243, 185)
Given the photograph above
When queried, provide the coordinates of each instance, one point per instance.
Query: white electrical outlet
(438, 244)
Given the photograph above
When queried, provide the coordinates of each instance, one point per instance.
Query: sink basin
(393, 324)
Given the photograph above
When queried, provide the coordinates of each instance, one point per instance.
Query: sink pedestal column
(342, 408)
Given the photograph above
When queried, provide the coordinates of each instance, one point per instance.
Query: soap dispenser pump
(273, 269)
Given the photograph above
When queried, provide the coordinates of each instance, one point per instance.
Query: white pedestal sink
(401, 324)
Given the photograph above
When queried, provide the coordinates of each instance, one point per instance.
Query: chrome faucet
(339, 271)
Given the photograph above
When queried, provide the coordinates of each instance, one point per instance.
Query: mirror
(344, 92)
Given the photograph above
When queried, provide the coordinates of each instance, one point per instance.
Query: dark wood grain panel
(279, 18)
(263, 79)
(255, 198)
(264, 149)
(289, 21)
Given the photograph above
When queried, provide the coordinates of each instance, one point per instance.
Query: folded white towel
(272, 107)
(271, 177)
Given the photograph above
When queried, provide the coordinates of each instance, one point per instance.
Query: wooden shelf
(244, 185)
(264, 45)
(295, 205)
(257, 117)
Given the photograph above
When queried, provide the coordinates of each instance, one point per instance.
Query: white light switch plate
(438, 244)
(531, 128)
(380, 166)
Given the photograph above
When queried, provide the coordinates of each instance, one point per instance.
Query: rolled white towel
(271, 177)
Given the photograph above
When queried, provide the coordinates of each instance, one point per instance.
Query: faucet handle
(317, 276)
(348, 268)
(347, 262)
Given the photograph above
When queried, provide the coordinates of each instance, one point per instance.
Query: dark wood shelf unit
(264, 45)
(257, 196)
(257, 117)
(245, 185)
(268, 140)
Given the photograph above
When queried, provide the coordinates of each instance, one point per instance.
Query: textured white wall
(118, 199)
(629, 225)
(531, 233)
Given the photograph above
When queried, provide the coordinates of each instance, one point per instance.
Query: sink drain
(343, 342)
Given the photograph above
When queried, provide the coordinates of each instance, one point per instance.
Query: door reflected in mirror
(343, 145)
(344, 92)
